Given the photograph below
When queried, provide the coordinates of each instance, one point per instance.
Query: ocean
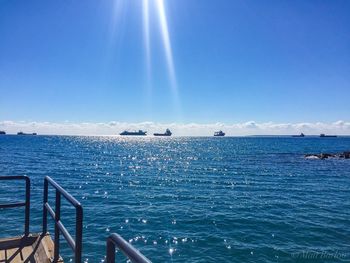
(190, 199)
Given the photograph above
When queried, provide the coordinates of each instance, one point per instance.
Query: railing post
(110, 251)
(27, 207)
(75, 244)
(46, 185)
(78, 234)
(57, 230)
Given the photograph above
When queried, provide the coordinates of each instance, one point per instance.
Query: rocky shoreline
(342, 155)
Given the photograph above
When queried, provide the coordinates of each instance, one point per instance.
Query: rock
(311, 156)
(322, 156)
(326, 155)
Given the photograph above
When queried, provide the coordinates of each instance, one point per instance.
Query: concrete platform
(34, 248)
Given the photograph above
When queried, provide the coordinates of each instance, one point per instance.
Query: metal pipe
(68, 196)
(50, 210)
(26, 203)
(27, 208)
(110, 251)
(78, 233)
(132, 253)
(66, 235)
(46, 186)
(57, 229)
(12, 205)
(76, 244)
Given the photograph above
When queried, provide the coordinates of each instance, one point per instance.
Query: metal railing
(26, 203)
(115, 240)
(76, 245)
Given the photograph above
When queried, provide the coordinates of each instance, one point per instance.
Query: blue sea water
(183, 199)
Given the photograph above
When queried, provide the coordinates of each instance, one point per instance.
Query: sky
(269, 67)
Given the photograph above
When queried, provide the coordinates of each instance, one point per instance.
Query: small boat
(219, 133)
(2, 132)
(322, 135)
(134, 133)
(167, 133)
(300, 135)
(22, 133)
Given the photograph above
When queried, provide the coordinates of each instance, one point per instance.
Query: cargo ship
(22, 133)
(219, 133)
(2, 132)
(322, 135)
(167, 133)
(134, 133)
(300, 135)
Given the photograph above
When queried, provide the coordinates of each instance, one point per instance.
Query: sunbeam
(167, 46)
(169, 56)
(146, 33)
(118, 20)
(164, 31)
(118, 27)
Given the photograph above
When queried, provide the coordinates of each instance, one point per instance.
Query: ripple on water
(193, 199)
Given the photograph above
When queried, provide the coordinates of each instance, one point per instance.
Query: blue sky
(234, 61)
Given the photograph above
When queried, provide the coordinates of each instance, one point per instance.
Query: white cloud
(195, 129)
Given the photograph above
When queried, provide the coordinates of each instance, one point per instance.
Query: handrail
(20, 204)
(76, 245)
(132, 253)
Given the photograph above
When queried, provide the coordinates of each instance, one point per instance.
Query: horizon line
(112, 128)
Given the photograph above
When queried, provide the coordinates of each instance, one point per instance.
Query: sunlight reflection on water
(191, 199)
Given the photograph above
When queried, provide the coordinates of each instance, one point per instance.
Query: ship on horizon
(219, 133)
(2, 133)
(322, 135)
(23, 133)
(167, 133)
(300, 135)
(134, 133)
